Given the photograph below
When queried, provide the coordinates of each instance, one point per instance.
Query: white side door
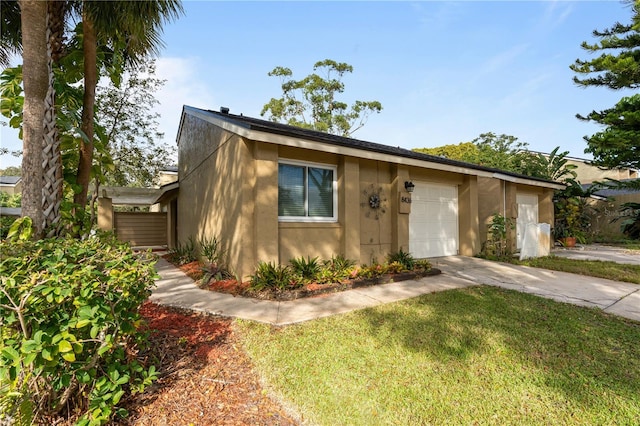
(527, 213)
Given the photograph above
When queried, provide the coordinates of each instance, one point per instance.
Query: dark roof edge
(292, 131)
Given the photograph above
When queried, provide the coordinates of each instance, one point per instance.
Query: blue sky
(444, 71)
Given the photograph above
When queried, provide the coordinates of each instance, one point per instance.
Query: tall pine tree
(618, 67)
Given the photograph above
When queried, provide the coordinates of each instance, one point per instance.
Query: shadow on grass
(571, 349)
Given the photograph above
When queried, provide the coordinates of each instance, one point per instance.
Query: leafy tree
(311, 102)
(11, 171)
(464, 151)
(130, 32)
(134, 26)
(553, 166)
(129, 128)
(502, 152)
(618, 67)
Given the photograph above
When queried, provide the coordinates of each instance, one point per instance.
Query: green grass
(480, 355)
(593, 268)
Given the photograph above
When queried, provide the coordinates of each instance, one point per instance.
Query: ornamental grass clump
(70, 329)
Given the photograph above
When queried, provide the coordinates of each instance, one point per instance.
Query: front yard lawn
(593, 268)
(480, 355)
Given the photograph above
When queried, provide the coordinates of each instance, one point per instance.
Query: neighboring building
(168, 175)
(11, 184)
(605, 213)
(588, 173)
(271, 192)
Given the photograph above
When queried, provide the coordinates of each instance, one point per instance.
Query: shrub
(69, 328)
(211, 250)
(403, 258)
(630, 220)
(215, 267)
(498, 245)
(271, 276)
(340, 266)
(395, 268)
(422, 265)
(305, 270)
(5, 224)
(183, 253)
(375, 270)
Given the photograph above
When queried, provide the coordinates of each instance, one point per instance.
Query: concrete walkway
(600, 252)
(176, 289)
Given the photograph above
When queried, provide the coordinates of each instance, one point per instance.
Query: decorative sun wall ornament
(375, 202)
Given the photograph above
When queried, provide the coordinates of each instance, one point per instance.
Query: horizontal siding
(141, 229)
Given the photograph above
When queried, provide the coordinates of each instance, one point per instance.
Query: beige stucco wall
(587, 173)
(12, 189)
(498, 196)
(603, 212)
(217, 180)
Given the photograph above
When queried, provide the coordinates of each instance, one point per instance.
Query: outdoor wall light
(408, 185)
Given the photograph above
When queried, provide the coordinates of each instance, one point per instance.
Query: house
(605, 210)
(588, 173)
(11, 184)
(271, 192)
(141, 216)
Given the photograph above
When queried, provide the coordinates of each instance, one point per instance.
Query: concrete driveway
(600, 252)
(614, 297)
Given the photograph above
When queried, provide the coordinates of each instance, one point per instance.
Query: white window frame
(332, 219)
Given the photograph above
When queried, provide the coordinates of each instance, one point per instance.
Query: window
(307, 192)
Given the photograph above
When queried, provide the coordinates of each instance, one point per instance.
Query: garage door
(433, 221)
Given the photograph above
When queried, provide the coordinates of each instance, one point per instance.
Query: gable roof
(10, 180)
(268, 131)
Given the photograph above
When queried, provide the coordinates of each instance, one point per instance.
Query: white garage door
(433, 221)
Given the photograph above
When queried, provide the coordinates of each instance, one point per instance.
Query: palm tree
(139, 25)
(10, 34)
(52, 158)
(33, 18)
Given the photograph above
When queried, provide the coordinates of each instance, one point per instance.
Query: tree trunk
(52, 158)
(33, 16)
(89, 46)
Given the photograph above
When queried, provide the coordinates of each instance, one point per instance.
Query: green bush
(5, 224)
(215, 266)
(305, 270)
(271, 276)
(422, 265)
(339, 267)
(211, 250)
(183, 253)
(69, 328)
(403, 258)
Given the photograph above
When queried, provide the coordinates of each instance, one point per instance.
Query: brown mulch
(205, 377)
(195, 271)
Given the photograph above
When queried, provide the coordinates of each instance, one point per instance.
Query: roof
(9, 180)
(258, 125)
(170, 169)
(612, 192)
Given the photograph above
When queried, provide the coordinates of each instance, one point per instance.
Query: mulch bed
(205, 377)
(195, 271)
(315, 289)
